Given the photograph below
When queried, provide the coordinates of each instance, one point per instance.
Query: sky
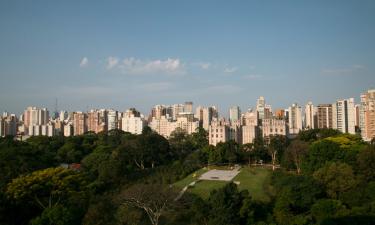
(122, 54)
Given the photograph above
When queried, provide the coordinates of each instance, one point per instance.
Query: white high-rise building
(310, 116)
(295, 119)
(261, 103)
(112, 119)
(344, 115)
(234, 113)
(209, 113)
(133, 123)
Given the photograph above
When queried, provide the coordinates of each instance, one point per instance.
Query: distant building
(79, 123)
(112, 118)
(295, 119)
(188, 107)
(274, 126)
(325, 116)
(261, 103)
(367, 115)
(234, 113)
(310, 116)
(344, 115)
(209, 113)
(133, 122)
(219, 131)
(8, 125)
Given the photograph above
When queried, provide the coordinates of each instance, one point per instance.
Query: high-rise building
(79, 123)
(261, 103)
(309, 116)
(112, 118)
(280, 113)
(234, 113)
(34, 116)
(8, 125)
(188, 107)
(344, 115)
(325, 116)
(133, 122)
(219, 131)
(250, 118)
(295, 119)
(209, 113)
(267, 112)
(368, 115)
(274, 126)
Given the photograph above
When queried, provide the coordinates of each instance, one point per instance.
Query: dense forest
(114, 177)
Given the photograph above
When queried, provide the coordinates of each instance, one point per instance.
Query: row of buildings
(343, 115)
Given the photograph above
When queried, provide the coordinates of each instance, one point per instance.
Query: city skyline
(138, 54)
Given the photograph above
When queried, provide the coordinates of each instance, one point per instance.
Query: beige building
(250, 128)
(309, 116)
(274, 126)
(295, 119)
(368, 117)
(79, 123)
(133, 122)
(344, 115)
(325, 116)
(8, 125)
(219, 131)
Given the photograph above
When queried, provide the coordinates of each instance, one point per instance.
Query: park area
(203, 181)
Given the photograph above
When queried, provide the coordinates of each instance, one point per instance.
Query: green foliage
(225, 205)
(327, 208)
(47, 187)
(366, 164)
(294, 196)
(57, 215)
(336, 177)
(227, 152)
(319, 153)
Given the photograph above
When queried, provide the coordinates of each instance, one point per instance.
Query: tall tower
(234, 113)
(261, 103)
(310, 116)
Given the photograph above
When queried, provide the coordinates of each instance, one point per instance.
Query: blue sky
(121, 54)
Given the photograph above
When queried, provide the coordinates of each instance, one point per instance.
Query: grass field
(251, 179)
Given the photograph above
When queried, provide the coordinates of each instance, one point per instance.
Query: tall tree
(336, 177)
(48, 187)
(154, 199)
(296, 152)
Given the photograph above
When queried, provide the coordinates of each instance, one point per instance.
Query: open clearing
(251, 179)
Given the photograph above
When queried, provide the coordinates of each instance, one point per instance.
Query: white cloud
(230, 69)
(253, 76)
(350, 70)
(112, 62)
(136, 66)
(84, 62)
(157, 86)
(205, 65)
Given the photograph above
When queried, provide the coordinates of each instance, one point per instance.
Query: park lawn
(253, 179)
(204, 187)
(187, 180)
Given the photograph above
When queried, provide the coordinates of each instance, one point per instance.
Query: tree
(296, 152)
(276, 147)
(319, 153)
(154, 199)
(248, 150)
(48, 187)
(336, 177)
(326, 208)
(366, 164)
(199, 138)
(225, 204)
